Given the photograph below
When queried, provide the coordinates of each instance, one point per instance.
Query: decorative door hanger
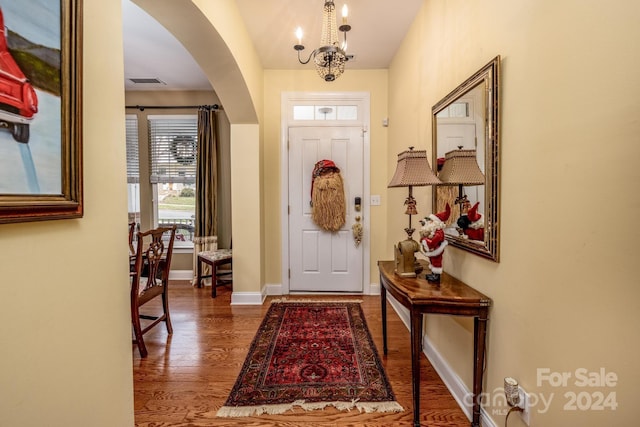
(328, 207)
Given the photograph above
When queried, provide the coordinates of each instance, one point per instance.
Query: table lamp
(461, 168)
(412, 170)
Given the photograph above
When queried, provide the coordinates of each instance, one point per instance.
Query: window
(133, 168)
(460, 109)
(325, 112)
(173, 142)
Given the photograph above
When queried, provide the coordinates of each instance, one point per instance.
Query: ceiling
(151, 52)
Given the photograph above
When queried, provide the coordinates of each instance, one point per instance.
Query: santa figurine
(433, 243)
(472, 224)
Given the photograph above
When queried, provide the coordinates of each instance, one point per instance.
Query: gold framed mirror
(465, 126)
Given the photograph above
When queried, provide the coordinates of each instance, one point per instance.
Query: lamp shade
(413, 170)
(461, 168)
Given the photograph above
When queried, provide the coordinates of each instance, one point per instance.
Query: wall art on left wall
(40, 110)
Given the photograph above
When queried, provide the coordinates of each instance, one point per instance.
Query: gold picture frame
(41, 139)
(468, 118)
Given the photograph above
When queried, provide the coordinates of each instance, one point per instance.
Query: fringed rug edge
(311, 300)
(368, 407)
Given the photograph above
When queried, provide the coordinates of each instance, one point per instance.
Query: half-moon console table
(450, 297)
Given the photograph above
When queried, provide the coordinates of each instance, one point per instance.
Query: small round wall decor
(183, 149)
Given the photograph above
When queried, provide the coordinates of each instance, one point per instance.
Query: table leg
(199, 272)
(383, 299)
(214, 279)
(479, 342)
(416, 338)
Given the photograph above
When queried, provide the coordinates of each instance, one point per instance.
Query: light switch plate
(375, 200)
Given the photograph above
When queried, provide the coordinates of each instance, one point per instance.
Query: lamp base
(406, 263)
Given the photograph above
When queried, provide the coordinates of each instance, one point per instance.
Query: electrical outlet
(524, 404)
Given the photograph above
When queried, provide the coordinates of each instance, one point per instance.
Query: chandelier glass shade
(330, 57)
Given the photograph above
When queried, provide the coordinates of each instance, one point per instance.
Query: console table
(450, 297)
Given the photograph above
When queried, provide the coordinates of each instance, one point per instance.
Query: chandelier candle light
(330, 57)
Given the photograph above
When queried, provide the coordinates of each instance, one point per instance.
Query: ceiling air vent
(152, 80)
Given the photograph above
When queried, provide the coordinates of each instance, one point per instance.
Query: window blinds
(133, 159)
(173, 147)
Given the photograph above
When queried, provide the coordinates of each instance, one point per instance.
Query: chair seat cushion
(216, 255)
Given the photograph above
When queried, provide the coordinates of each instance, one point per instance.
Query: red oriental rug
(311, 355)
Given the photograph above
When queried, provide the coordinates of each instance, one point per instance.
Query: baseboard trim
(247, 298)
(450, 378)
(181, 275)
(274, 289)
(401, 310)
(374, 289)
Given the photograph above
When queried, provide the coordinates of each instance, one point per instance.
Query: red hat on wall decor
(442, 216)
(473, 213)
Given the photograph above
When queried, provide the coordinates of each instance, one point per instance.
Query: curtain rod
(164, 107)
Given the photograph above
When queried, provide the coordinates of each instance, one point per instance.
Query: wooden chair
(133, 227)
(150, 279)
(215, 259)
(132, 232)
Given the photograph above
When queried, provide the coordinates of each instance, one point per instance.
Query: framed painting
(40, 110)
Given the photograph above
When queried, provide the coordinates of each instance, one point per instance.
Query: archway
(216, 37)
(197, 33)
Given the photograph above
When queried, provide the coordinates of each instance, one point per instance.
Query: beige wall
(275, 83)
(565, 296)
(66, 335)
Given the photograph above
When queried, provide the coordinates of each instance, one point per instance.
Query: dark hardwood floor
(187, 376)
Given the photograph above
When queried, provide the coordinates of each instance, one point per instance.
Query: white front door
(451, 136)
(319, 260)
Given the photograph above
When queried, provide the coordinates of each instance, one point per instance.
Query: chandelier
(330, 57)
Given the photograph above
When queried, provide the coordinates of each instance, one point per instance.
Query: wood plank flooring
(187, 376)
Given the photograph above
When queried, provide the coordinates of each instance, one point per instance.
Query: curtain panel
(206, 226)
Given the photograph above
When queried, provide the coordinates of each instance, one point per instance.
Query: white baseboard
(374, 289)
(450, 378)
(402, 311)
(274, 289)
(247, 298)
(181, 275)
